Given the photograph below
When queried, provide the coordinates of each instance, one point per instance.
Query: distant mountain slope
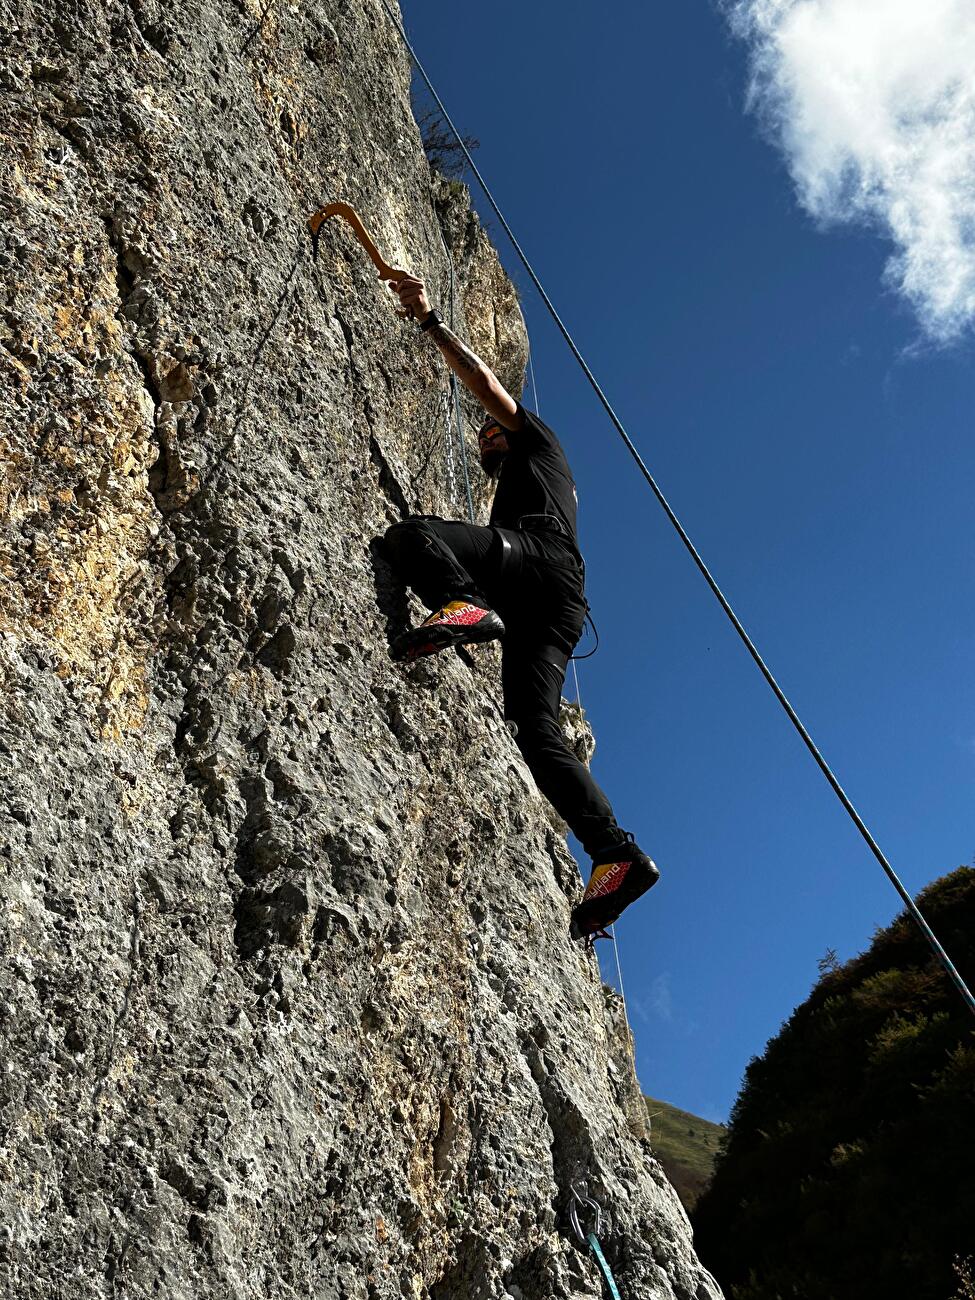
(847, 1170)
(685, 1145)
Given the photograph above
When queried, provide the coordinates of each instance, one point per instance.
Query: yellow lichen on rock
(76, 483)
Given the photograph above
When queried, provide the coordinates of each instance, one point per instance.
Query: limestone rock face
(289, 1008)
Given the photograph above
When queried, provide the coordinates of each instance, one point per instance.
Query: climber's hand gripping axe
(349, 214)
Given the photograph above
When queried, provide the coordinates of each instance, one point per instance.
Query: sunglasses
(489, 433)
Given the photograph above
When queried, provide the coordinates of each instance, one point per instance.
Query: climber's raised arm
(478, 378)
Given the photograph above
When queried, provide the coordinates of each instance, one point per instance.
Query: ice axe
(349, 214)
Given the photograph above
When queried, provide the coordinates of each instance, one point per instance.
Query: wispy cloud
(660, 999)
(873, 103)
(657, 1004)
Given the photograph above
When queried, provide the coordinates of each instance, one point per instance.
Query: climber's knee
(403, 540)
(408, 532)
(394, 535)
(536, 736)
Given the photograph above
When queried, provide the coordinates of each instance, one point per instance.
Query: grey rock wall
(288, 1007)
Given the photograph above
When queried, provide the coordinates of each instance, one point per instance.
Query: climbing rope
(581, 1202)
(780, 695)
(619, 976)
(455, 394)
(588, 760)
(454, 390)
(448, 412)
(531, 371)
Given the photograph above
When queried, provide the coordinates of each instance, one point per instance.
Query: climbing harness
(349, 214)
(581, 1203)
(915, 912)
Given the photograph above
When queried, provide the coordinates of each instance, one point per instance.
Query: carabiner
(583, 1201)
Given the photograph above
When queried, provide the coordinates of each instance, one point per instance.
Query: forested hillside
(686, 1146)
(848, 1170)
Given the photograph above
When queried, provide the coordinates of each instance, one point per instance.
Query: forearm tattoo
(452, 348)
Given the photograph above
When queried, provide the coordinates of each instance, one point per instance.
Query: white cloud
(873, 102)
(660, 999)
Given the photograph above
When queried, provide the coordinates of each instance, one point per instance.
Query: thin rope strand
(780, 695)
(575, 674)
(456, 396)
(619, 975)
(531, 371)
(454, 390)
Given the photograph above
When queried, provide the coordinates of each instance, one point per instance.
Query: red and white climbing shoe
(457, 622)
(620, 876)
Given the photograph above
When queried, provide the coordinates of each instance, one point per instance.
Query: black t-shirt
(535, 479)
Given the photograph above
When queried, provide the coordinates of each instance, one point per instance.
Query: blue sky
(816, 444)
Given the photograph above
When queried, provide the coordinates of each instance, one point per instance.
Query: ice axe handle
(349, 214)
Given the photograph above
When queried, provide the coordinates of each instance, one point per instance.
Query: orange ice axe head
(349, 214)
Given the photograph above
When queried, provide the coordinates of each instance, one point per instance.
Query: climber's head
(492, 443)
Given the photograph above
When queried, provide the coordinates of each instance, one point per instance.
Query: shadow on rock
(390, 592)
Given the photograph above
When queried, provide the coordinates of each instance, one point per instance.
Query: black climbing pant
(533, 579)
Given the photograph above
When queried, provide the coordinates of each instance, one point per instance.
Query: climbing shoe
(620, 875)
(457, 622)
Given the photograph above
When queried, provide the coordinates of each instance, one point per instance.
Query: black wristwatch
(431, 320)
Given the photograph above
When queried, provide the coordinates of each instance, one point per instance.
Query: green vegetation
(686, 1146)
(439, 142)
(847, 1172)
(965, 1272)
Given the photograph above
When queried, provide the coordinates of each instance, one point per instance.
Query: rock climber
(520, 579)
